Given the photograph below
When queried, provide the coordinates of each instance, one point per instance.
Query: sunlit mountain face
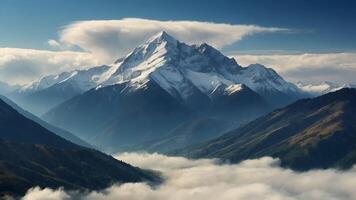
(227, 100)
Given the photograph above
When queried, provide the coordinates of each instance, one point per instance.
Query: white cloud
(23, 65)
(110, 39)
(308, 67)
(208, 180)
(53, 43)
(46, 194)
(106, 40)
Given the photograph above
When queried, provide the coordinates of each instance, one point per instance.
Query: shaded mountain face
(216, 120)
(116, 116)
(30, 156)
(310, 133)
(164, 83)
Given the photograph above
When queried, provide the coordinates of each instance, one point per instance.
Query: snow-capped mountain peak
(211, 51)
(175, 66)
(261, 78)
(160, 37)
(178, 68)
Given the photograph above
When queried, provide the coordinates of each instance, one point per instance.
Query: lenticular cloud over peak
(206, 179)
(110, 39)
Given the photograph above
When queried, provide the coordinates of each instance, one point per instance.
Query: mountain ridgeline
(161, 86)
(310, 133)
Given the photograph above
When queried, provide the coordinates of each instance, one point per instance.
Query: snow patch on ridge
(207, 82)
(233, 89)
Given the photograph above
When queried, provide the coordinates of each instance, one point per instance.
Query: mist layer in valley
(209, 179)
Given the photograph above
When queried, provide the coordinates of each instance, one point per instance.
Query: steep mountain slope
(60, 132)
(30, 155)
(310, 133)
(159, 86)
(115, 116)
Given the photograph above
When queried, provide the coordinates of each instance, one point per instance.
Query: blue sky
(308, 40)
(320, 26)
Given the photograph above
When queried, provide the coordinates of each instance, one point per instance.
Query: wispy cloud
(110, 39)
(307, 67)
(53, 43)
(208, 180)
(23, 65)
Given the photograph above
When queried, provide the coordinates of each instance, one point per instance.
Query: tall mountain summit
(178, 68)
(161, 85)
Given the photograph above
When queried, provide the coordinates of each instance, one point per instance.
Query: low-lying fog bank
(207, 179)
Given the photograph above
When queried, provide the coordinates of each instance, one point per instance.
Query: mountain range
(177, 68)
(160, 86)
(31, 155)
(310, 133)
(165, 94)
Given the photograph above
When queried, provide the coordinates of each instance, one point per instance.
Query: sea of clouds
(209, 179)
